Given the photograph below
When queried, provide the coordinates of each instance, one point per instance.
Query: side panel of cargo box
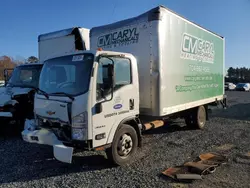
(191, 64)
(180, 64)
(139, 37)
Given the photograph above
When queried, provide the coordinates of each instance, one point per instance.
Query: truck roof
(84, 51)
(151, 15)
(70, 53)
(30, 64)
(56, 34)
(162, 6)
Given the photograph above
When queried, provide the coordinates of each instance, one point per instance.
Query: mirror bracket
(98, 108)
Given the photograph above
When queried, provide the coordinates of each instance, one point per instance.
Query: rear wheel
(124, 146)
(197, 118)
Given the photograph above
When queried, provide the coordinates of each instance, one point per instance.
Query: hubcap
(125, 145)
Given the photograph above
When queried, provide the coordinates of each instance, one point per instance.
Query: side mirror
(6, 76)
(5, 73)
(108, 78)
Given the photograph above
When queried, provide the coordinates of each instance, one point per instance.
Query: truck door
(113, 105)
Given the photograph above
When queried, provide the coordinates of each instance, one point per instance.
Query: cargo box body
(180, 64)
(63, 41)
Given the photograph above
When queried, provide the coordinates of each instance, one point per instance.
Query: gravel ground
(228, 131)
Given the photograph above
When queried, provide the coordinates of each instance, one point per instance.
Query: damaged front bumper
(47, 137)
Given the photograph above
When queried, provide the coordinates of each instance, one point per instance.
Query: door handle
(131, 104)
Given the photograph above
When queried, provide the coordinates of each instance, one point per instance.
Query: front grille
(50, 123)
(61, 129)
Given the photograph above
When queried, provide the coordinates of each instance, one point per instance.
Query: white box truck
(17, 97)
(154, 66)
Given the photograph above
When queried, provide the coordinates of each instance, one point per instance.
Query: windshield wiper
(66, 94)
(37, 89)
(11, 85)
(43, 92)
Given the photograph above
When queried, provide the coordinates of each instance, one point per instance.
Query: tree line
(7, 62)
(238, 74)
(235, 75)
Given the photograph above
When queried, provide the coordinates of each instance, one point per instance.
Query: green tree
(231, 72)
(32, 59)
(5, 63)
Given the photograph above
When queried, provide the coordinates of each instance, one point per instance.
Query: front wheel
(124, 146)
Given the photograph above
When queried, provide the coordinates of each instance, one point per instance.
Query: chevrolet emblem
(50, 113)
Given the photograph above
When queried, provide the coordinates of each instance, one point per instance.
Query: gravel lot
(228, 131)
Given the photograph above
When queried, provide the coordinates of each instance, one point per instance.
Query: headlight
(78, 134)
(79, 126)
(80, 121)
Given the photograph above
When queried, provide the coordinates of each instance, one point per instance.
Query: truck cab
(17, 97)
(85, 97)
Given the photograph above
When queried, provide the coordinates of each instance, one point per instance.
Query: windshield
(25, 76)
(69, 74)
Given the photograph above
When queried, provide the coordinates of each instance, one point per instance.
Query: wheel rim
(125, 145)
(202, 116)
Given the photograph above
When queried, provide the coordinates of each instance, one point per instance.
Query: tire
(124, 146)
(197, 118)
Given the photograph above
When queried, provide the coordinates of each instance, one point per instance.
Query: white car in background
(242, 87)
(229, 86)
(1, 83)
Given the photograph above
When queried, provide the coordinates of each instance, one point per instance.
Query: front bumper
(46, 137)
(6, 114)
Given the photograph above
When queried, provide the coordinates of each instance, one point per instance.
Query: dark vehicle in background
(17, 97)
(242, 87)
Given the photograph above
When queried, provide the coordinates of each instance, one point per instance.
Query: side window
(102, 75)
(122, 74)
(26, 75)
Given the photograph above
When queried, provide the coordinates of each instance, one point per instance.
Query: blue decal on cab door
(117, 106)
